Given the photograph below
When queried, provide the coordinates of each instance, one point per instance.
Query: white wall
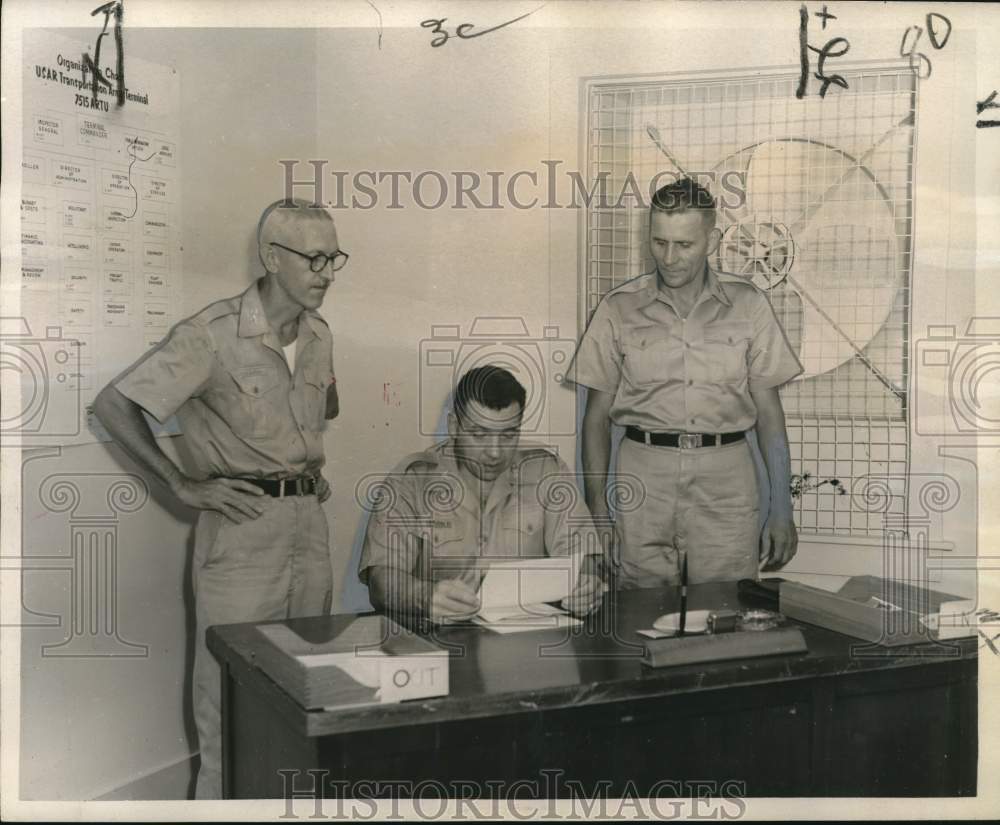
(413, 268)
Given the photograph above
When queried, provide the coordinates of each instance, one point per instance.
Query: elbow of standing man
(124, 421)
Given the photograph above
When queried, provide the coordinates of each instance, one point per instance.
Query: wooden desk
(875, 722)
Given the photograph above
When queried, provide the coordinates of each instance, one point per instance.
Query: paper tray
(852, 610)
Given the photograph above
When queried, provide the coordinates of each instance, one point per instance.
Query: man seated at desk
(480, 495)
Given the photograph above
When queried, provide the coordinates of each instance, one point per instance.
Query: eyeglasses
(318, 262)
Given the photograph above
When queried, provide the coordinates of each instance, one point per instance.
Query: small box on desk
(351, 660)
(883, 611)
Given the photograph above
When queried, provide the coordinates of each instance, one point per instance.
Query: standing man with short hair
(687, 360)
(251, 381)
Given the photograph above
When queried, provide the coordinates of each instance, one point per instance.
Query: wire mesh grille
(815, 207)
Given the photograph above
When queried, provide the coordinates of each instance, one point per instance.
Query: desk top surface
(492, 674)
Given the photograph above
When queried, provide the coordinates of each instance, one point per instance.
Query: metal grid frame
(849, 420)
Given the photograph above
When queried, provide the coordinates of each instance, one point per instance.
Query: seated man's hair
(682, 195)
(493, 387)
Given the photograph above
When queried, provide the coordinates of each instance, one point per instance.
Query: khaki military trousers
(701, 501)
(276, 566)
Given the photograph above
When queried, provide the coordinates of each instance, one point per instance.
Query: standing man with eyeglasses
(251, 382)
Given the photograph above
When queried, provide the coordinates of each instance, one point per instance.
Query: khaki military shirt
(426, 519)
(242, 412)
(669, 373)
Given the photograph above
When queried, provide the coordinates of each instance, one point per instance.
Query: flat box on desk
(854, 611)
(351, 660)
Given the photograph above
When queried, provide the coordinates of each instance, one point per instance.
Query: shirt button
(690, 382)
(691, 421)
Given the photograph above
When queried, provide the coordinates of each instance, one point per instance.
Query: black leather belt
(683, 440)
(279, 488)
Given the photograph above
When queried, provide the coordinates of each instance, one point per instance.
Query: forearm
(125, 423)
(394, 590)
(596, 453)
(773, 442)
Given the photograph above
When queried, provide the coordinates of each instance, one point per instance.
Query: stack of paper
(514, 595)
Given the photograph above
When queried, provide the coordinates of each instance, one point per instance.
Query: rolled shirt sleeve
(772, 362)
(171, 373)
(598, 359)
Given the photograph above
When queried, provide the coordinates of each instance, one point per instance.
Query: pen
(684, 595)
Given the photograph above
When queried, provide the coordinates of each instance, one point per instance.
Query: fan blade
(847, 273)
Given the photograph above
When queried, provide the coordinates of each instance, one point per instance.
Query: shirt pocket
(726, 346)
(448, 539)
(450, 555)
(315, 384)
(252, 409)
(522, 529)
(651, 356)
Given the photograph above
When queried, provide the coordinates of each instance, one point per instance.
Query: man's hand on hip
(323, 489)
(778, 543)
(232, 497)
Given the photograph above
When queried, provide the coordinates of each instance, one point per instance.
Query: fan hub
(761, 250)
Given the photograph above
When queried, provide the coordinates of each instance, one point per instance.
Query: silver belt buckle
(281, 488)
(687, 441)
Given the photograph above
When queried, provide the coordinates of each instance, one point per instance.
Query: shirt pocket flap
(255, 381)
(528, 518)
(448, 537)
(317, 378)
(645, 338)
(728, 332)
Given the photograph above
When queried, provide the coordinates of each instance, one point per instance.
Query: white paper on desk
(512, 588)
(526, 622)
(652, 633)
